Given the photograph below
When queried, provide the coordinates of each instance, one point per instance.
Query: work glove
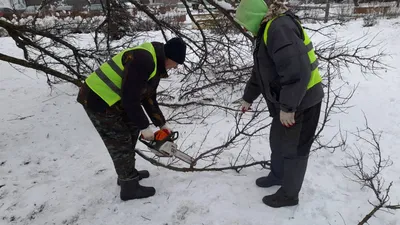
(287, 118)
(147, 134)
(167, 128)
(245, 106)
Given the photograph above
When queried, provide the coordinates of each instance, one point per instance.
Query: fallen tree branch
(236, 168)
(40, 67)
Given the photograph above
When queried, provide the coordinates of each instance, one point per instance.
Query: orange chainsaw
(163, 145)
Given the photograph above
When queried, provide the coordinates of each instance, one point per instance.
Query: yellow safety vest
(315, 75)
(107, 79)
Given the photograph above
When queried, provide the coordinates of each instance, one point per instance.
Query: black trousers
(290, 148)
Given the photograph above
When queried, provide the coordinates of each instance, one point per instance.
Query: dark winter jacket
(137, 91)
(282, 69)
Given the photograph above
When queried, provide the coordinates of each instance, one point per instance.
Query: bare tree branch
(371, 177)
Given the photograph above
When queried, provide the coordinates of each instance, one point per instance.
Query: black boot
(268, 181)
(280, 199)
(131, 189)
(142, 174)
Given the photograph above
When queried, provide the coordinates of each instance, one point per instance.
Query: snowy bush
(3, 32)
(57, 25)
(370, 20)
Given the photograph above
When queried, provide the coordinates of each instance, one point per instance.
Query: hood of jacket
(250, 14)
(276, 8)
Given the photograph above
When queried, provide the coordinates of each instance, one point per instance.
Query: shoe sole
(269, 185)
(280, 206)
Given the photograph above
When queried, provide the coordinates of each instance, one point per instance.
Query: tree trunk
(327, 11)
(356, 3)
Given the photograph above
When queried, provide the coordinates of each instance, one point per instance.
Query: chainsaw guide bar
(167, 148)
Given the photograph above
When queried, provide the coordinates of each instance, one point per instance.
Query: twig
(146, 218)
(21, 117)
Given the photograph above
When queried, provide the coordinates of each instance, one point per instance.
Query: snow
(12, 4)
(225, 5)
(55, 169)
(5, 4)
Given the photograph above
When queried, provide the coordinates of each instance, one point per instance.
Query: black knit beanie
(175, 49)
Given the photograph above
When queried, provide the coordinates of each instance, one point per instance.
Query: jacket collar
(160, 55)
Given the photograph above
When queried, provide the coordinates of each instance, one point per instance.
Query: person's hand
(245, 106)
(287, 118)
(167, 128)
(147, 134)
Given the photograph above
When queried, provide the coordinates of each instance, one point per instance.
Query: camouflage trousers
(120, 138)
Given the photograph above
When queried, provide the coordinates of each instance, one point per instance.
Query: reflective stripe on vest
(106, 81)
(315, 75)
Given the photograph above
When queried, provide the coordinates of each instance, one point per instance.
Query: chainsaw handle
(174, 135)
(144, 141)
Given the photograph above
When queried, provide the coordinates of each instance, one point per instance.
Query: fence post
(327, 11)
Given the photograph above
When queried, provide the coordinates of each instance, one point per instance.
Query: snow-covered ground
(12, 4)
(54, 168)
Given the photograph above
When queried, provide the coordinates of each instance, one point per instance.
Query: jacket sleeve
(252, 89)
(153, 110)
(136, 73)
(290, 57)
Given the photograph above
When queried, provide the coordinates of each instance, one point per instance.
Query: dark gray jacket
(282, 70)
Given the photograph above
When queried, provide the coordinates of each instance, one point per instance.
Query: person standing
(286, 74)
(113, 96)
